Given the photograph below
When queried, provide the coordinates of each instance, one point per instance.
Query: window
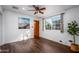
(48, 24)
(54, 23)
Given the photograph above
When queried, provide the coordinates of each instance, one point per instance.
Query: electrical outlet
(70, 41)
(61, 41)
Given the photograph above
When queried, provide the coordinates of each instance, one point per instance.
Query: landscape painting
(24, 23)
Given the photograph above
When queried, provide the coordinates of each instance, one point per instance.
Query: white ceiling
(50, 9)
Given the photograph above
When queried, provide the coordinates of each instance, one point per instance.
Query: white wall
(56, 35)
(0, 28)
(0, 25)
(11, 33)
(1, 10)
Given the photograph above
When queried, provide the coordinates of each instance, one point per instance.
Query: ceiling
(50, 9)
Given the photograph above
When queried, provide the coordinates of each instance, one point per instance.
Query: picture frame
(23, 23)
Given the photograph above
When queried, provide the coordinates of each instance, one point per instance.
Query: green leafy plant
(73, 29)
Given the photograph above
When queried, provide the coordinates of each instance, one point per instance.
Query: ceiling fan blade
(31, 10)
(35, 13)
(41, 12)
(36, 7)
(43, 9)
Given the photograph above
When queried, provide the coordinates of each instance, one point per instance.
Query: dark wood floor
(35, 46)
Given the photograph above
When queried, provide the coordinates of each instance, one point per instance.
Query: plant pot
(75, 47)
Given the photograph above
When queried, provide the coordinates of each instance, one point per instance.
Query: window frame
(61, 22)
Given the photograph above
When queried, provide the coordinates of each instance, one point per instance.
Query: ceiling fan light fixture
(23, 8)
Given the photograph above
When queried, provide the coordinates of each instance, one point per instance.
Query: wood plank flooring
(40, 45)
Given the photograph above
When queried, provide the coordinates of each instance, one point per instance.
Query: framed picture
(24, 23)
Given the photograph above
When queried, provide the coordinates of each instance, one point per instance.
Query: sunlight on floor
(25, 35)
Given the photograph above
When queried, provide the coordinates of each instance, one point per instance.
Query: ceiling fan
(38, 9)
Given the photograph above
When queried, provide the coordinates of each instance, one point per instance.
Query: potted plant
(73, 29)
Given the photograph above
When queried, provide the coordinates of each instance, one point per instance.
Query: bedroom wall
(0, 25)
(0, 28)
(56, 35)
(11, 33)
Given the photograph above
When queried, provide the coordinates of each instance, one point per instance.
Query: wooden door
(36, 29)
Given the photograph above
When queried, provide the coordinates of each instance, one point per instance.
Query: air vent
(14, 7)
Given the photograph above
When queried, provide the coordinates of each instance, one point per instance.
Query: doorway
(36, 29)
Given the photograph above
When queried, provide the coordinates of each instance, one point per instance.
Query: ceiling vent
(14, 7)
